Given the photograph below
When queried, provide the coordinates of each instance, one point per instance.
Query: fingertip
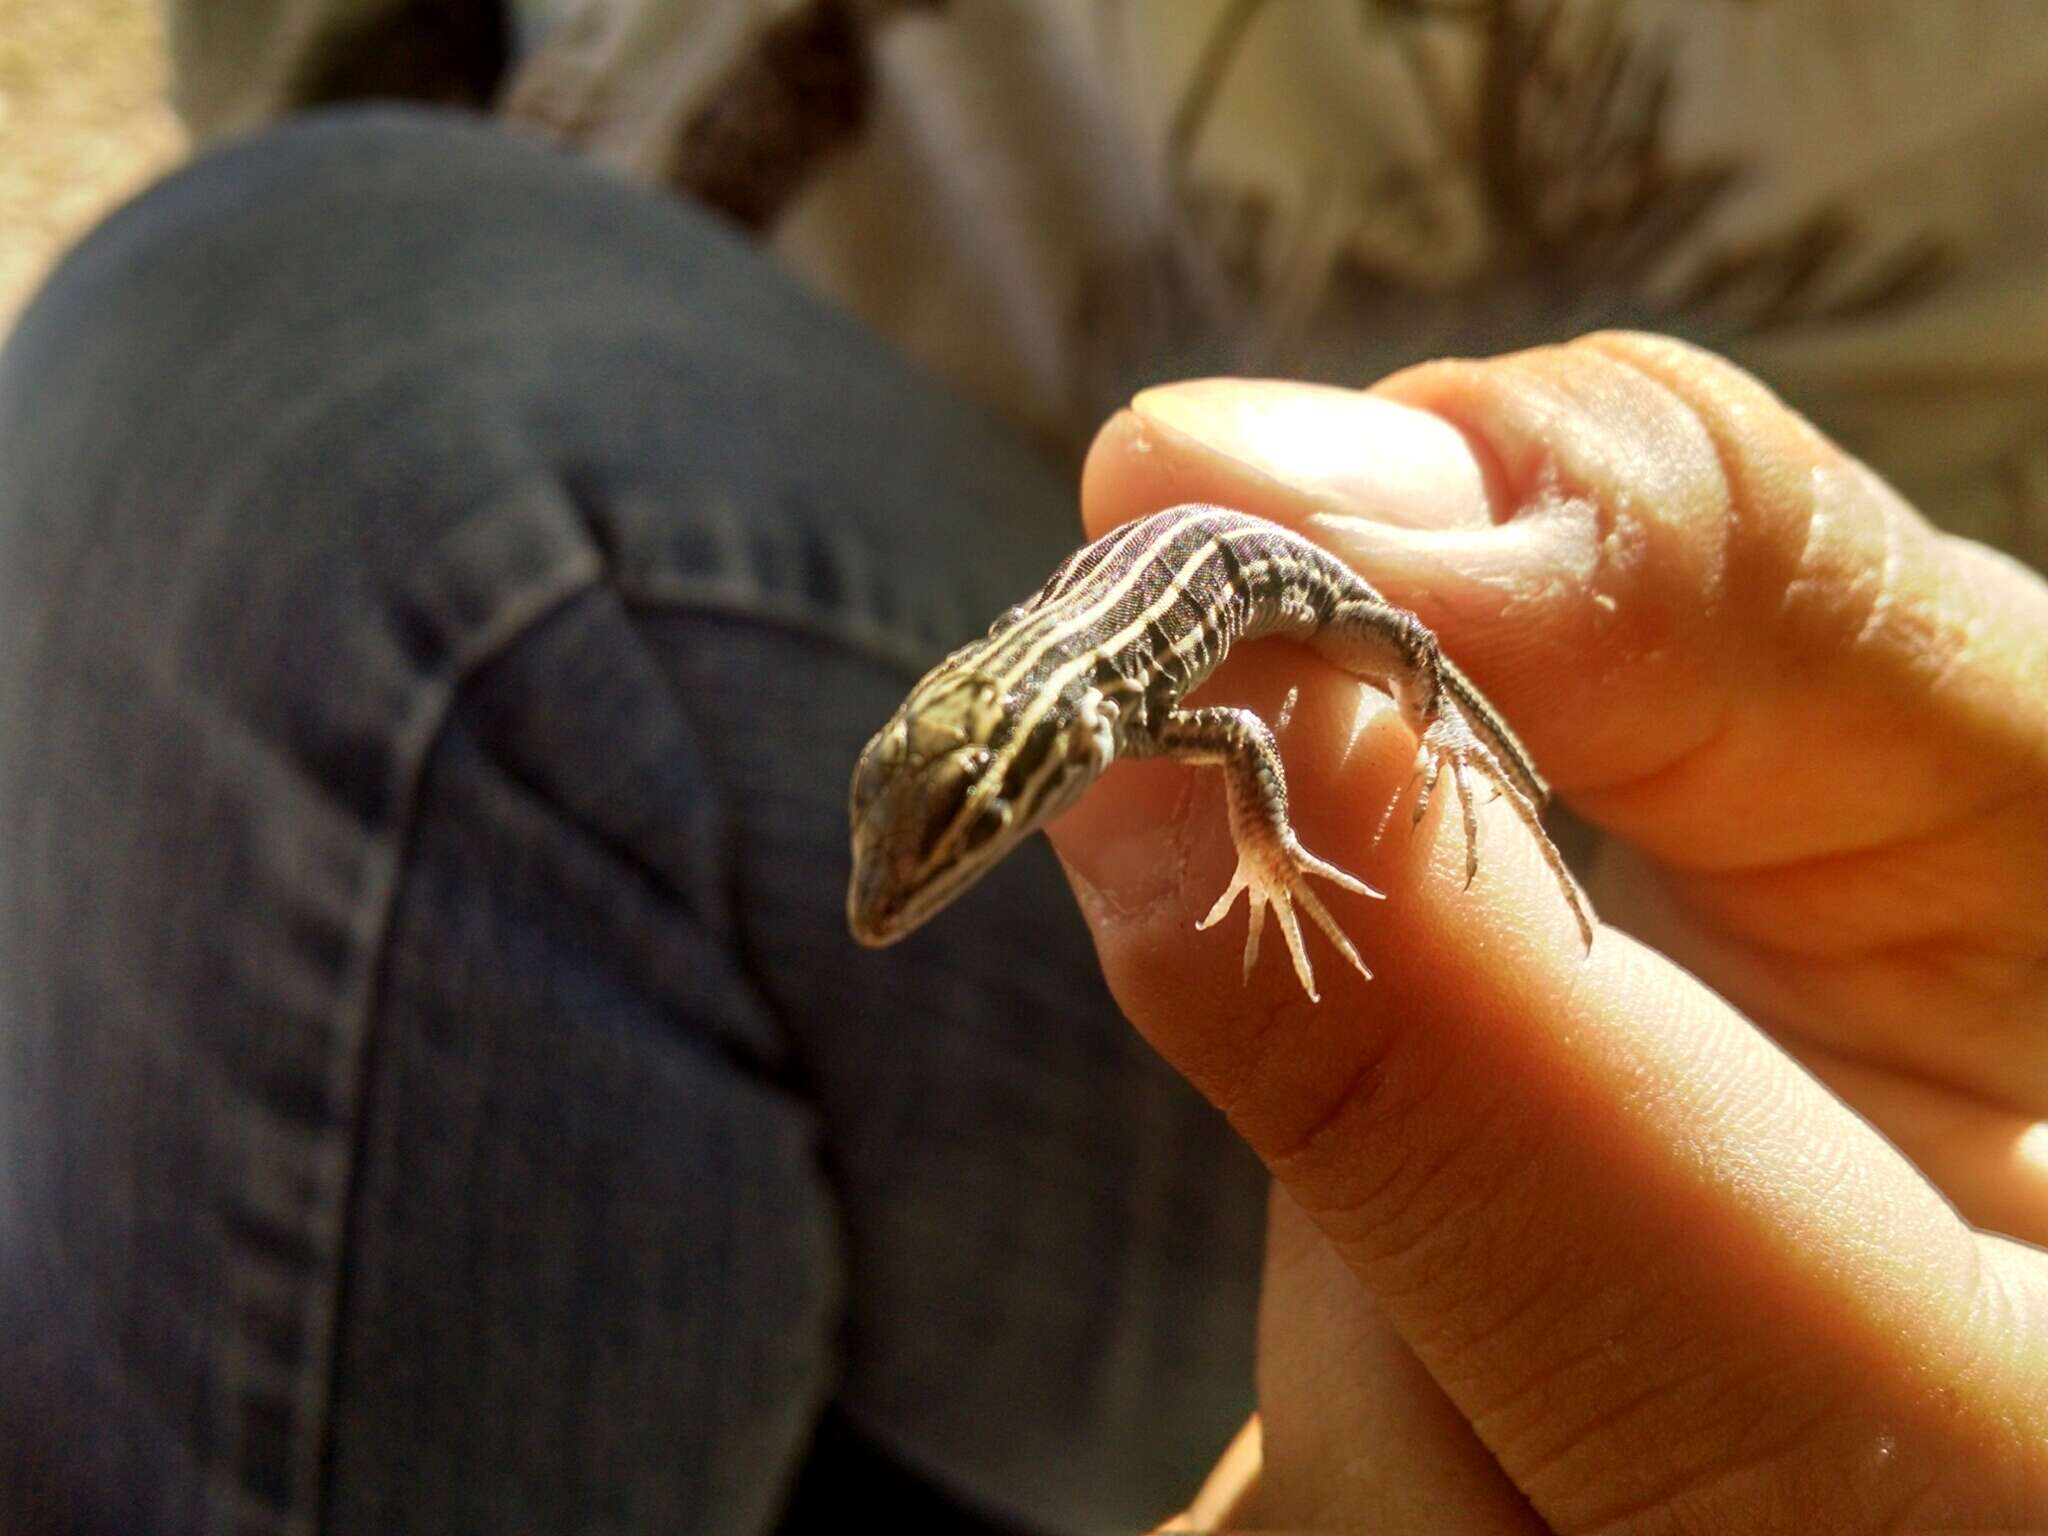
(1285, 451)
(1119, 481)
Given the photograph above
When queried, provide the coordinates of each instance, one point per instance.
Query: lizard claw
(1279, 879)
(1449, 741)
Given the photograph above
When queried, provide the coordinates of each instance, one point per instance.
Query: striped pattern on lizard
(1008, 731)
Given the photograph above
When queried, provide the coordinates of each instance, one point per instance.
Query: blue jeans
(442, 594)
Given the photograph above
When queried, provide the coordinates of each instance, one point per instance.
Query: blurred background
(83, 123)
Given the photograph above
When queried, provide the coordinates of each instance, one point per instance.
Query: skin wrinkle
(1809, 576)
(1532, 1300)
(1360, 1091)
(1954, 821)
(1691, 885)
(1691, 1484)
(1651, 783)
(1786, 992)
(1530, 1474)
(1950, 675)
(1282, 1023)
(1426, 1178)
(2032, 750)
(1432, 1248)
(1703, 898)
(1384, 1238)
(1387, 1211)
(2001, 1294)
(2020, 793)
(1772, 1013)
(1737, 508)
(1988, 1297)
(1528, 383)
(1951, 1136)
(1917, 1074)
(2012, 975)
(1996, 977)
(1876, 620)
(1629, 1519)
(1773, 1445)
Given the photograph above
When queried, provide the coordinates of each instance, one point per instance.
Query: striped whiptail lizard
(1008, 731)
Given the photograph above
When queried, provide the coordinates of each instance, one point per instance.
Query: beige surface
(82, 124)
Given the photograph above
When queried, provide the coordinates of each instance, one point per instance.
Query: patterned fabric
(1050, 204)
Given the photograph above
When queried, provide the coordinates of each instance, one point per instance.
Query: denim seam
(724, 597)
(414, 743)
(688, 908)
(742, 602)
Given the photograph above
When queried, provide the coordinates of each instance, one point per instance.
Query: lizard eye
(937, 735)
(950, 780)
(958, 712)
(993, 819)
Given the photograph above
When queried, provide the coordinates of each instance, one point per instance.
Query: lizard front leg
(1272, 866)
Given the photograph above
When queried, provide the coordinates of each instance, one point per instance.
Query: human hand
(1567, 1241)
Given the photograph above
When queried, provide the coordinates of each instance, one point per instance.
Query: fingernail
(1355, 454)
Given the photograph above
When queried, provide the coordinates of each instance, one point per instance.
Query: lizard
(1011, 729)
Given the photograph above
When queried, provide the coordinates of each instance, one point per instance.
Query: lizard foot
(1450, 742)
(1276, 874)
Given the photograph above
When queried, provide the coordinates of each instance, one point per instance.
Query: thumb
(1662, 1272)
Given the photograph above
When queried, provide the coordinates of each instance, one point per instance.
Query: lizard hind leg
(1272, 866)
(1450, 740)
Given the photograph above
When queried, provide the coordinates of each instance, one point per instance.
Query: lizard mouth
(872, 924)
(873, 909)
(882, 908)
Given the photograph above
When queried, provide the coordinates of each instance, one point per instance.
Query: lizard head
(927, 805)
